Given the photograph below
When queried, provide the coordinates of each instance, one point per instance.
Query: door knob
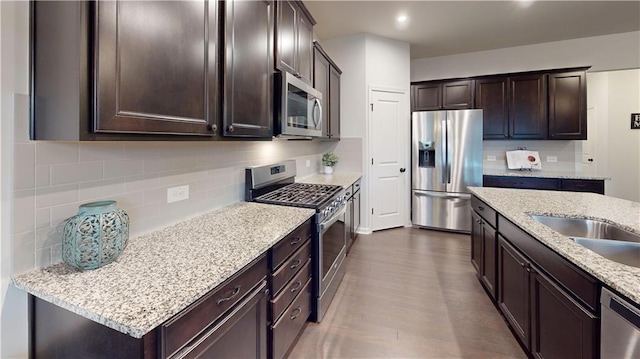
(402, 170)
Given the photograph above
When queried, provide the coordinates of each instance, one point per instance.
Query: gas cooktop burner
(301, 195)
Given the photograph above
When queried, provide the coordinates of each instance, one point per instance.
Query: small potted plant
(329, 160)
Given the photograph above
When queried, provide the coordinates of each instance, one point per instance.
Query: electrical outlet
(552, 159)
(491, 158)
(175, 194)
(308, 163)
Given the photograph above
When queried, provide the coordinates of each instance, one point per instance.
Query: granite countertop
(345, 179)
(543, 174)
(161, 273)
(517, 204)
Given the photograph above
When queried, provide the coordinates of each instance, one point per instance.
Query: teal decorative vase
(96, 236)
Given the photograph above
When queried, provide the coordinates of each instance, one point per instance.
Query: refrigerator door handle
(443, 195)
(449, 150)
(444, 150)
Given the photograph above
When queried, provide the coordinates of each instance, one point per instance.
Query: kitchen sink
(606, 239)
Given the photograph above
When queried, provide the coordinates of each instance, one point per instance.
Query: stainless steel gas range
(275, 184)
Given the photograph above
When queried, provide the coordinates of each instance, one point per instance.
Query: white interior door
(388, 168)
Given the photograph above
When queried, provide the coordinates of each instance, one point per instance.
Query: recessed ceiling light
(402, 18)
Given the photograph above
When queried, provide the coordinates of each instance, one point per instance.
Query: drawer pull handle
(234, 292)
(295, 289)
(295, 264)
(481, 208)
(295, 241)
(296, 313)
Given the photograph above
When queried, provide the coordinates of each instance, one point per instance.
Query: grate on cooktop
(300, 195)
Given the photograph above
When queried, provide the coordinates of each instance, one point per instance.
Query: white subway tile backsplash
(59, 214)
(24, 178)
(122, 168)
(75, 172)
(56, 152)
(141, 149)
(100, 151)
(56, 195)
(155, 165)
(51, 180)
(23, 211)
(43, 218)
(89, 191)
(43, 175)
(141, 182)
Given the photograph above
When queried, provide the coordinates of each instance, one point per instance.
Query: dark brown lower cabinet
(560, 327)
(513, 297)
(483, 252)
(546, 301)
(552, 184)
(241, 334)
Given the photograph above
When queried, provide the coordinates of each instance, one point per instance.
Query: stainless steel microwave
(298, 108)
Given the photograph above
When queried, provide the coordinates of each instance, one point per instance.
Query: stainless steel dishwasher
(620, 327)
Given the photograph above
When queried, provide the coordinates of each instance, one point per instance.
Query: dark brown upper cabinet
(528, 106)
(567, 106)
(135, 68)
(326, 79)
(537, 105)
(491, 97)
(248, 69)
(294, 39)
(451, 95)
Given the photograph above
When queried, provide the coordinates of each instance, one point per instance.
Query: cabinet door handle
(296, 312)
(234, 292)
(298, 286)
(230, 129)
(295, 241)
(295, 264)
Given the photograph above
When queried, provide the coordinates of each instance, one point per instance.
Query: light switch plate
(552, 159)
(491, 158)
(175, 194)
(308, 163)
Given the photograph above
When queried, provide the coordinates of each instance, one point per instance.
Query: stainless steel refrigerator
(446, 155)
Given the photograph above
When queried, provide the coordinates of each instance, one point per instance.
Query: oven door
(332, 247)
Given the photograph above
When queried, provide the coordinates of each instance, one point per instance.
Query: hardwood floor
(409, 292)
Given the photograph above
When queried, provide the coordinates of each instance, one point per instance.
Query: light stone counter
(161, 273)
(341, 179)
(517, 204)
(543, 174)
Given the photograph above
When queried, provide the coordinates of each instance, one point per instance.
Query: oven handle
(328, 223)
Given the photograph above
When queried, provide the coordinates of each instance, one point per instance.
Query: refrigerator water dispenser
(427, 154)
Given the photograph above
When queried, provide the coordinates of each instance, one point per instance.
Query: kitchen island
(162, 273)
(517, 205)
(547, 286)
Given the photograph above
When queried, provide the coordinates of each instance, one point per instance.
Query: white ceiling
(437, 28)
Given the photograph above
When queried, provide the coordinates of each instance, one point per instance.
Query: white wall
(602, 53)
(618, 95)
(368, 61)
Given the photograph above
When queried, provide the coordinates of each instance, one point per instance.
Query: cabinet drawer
(290, 268)
(198, 316)
(484, 211)
(280, 303)
(521, 182)
(287, 328)
(290, 244)
(567, 274)
(576, 185)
